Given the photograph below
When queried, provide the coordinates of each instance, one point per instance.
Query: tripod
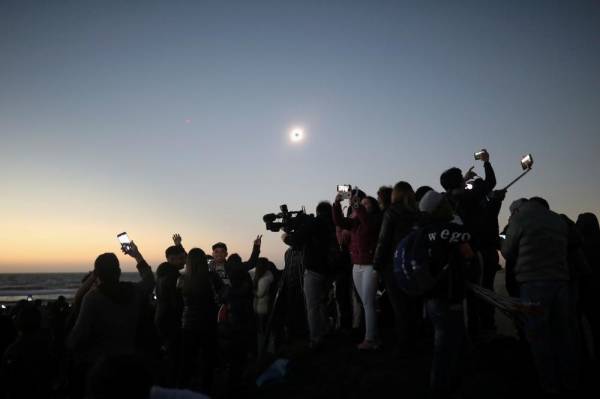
(293, 269)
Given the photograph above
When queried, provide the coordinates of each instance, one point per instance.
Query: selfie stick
(517, 179)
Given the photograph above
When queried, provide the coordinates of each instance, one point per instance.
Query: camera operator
(317, 239)
(478, 207)
(364, 225)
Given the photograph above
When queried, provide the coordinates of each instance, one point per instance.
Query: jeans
(316, 291)
(365, 281)
(552, 334)
(450, 338)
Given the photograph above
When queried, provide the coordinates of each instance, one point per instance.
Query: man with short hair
(219, 263)
(537, 239)
(316, 240)
(169, 306)
(477, 207)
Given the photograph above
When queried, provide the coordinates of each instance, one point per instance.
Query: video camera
(287, 220)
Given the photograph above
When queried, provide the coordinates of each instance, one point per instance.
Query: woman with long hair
(200, 288)
(363, 225)
(398, 221)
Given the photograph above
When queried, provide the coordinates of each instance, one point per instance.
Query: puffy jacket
(364, 228)
(397, 222)
(537, 239)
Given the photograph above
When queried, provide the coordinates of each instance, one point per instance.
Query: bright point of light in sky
(296, 135)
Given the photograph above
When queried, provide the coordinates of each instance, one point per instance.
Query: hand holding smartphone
(125, 241)
(344, 190)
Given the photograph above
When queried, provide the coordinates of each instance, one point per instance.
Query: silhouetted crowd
(201, 322)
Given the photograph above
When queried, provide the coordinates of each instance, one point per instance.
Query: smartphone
(124, 240)
(345, 190)
(527, 162)
(479, 154)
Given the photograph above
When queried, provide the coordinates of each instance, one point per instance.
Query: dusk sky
(156, 117)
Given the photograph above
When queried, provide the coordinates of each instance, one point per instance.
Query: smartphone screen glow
(124, 238)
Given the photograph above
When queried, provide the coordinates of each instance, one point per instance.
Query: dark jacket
(441, 244)
(200, 302)
(587, 223)
(169, 303)
(109, 318)
(315, 238)
(398, 221)
(364, 228)
(537, 239)
(224, 271)
(241, 296)
(473, 208)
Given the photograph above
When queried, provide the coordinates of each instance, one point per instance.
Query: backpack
(411, 265)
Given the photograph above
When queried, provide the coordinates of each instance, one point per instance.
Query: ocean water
(44, 286)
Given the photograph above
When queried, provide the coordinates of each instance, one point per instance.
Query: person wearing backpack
(433, 261)
(398, 221)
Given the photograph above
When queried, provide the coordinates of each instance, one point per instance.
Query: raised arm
(146, 285)
(177, 241)
(338, 216)
(253, 260)
(490, 176)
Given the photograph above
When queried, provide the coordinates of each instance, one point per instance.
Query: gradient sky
(157, 117)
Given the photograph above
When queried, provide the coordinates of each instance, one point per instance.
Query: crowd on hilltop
(201, 318)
